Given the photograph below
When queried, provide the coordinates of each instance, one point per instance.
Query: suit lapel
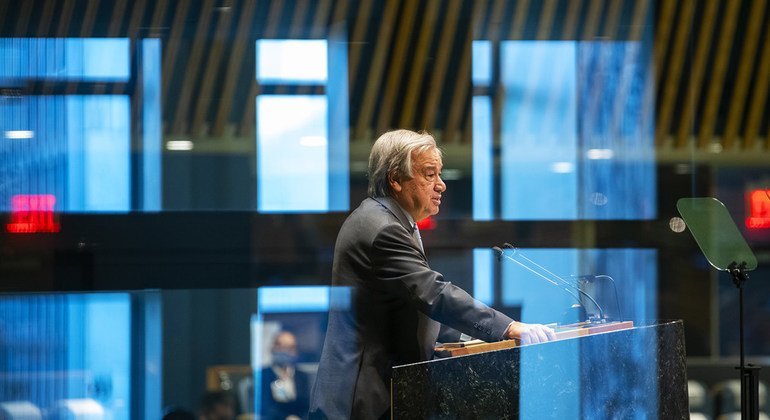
(395, 209)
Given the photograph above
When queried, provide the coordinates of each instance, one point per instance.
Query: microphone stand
(550, 278)
(593, 277)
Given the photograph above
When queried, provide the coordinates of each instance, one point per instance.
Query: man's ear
(395, 185)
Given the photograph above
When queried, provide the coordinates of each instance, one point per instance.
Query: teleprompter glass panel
(716, 233)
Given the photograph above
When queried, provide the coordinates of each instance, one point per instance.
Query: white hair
(392, 154)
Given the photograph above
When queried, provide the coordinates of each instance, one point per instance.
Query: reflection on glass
(540, 301)
(584, 153)
(635, 272)
(73, 147)
(80, 151)
(617, 151)
(287, 331)
(632, 297)
(66, 354)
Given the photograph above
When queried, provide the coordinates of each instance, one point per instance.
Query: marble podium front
(634, 373)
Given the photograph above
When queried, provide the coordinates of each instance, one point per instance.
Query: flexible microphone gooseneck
(547, 276)
(592, 277)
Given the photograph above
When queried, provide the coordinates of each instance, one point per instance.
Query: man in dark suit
(387, 306)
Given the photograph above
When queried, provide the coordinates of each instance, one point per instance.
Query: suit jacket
(385, 310)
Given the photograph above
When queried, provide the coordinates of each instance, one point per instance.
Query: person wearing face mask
(284, 388)
(396, 307)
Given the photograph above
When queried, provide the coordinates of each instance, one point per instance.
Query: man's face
(421, 195)
(285, 342)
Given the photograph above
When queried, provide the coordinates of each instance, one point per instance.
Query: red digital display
(759, 210)
(32, 214)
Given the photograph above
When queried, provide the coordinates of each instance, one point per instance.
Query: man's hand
(529, 333)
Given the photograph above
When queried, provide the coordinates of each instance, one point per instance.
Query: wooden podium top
(562, 332)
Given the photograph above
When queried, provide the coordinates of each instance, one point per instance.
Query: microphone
(546, 275)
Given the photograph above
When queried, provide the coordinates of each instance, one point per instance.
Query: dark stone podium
(632, 373)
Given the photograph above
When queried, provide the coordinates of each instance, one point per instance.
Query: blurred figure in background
(284, 388)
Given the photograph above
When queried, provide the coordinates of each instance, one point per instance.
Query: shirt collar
(412, 223)
(395, 208)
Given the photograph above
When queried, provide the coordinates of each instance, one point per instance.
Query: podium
(629, 372)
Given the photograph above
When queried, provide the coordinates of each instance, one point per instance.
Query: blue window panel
(32, 164)
(482, 63)
(292, 153)
(339, 122)
(100, 346)
(635, 278)
(99, 139)
(539, 131)
(285, 61)
(483, 275)
(87, 351)
(569, 152)
(566, 378)
(33, 322)
(540, 301)
(25, 58)
(631, 296)
(151, 127)
(104, 59)
(314, 151)
(293, 299)
(79, 147)
(12, 55)
(92, 59)
(483, 162)
(616, 131)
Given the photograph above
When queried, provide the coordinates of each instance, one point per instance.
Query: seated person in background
(217, 405)
(284, 389)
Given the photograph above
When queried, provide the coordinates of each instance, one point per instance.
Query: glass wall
(68, 355)
(173, 177)
(73, 147)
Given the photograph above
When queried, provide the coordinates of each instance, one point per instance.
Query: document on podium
(563, 332)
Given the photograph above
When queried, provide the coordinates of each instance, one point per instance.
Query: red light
(427, 223)
(32, 214)
(759, 210)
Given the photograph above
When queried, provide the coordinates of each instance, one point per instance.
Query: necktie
(417, 235)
